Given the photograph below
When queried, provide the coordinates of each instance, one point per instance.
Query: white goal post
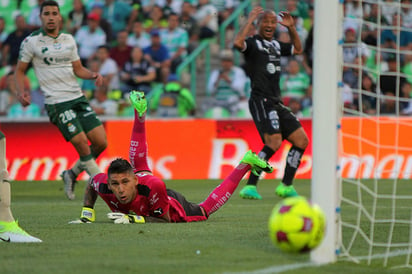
(326, 76)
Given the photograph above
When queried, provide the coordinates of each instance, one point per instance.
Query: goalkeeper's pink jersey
(151, 200)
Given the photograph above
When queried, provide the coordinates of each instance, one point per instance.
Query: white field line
(283, 268)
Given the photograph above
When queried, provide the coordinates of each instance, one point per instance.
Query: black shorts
(190, 208)
(272, 117)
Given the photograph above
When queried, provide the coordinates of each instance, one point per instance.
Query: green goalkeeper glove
(87, 216)
(121, 218)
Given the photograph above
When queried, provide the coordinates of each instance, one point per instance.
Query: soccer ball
(297, 225)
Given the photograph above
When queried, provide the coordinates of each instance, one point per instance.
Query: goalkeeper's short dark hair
(119, 165)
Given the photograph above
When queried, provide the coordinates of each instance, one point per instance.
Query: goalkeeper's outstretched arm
(90, 196)
(87, 215)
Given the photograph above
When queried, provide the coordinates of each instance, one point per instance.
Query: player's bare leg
(10, 231)
(98, 140)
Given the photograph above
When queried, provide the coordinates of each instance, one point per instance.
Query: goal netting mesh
(375, 140)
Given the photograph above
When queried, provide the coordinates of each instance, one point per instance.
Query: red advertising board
(202, 148)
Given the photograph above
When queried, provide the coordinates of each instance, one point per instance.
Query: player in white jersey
(56, 63)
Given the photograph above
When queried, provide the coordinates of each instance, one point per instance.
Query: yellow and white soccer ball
(297, 225)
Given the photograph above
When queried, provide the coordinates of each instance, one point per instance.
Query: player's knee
(303, 143)
(274, 142)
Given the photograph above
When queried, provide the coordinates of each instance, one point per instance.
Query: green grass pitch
(233, 240)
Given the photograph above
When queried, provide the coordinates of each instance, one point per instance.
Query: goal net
(375, 136)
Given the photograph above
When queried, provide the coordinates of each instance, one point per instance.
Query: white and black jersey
(263, 64)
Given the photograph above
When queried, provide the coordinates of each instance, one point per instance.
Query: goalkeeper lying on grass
(136, 196)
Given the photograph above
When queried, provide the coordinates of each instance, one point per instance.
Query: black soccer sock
(265, 153)
(292, 164)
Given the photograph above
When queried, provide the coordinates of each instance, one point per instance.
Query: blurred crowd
(139, 45)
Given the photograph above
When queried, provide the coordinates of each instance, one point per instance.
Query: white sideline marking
(276, 269)
(283, 268)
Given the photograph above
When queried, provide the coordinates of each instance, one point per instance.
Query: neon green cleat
(285, 191)
(13, 233)
(250, 192)
(139, 102)
(256, 163)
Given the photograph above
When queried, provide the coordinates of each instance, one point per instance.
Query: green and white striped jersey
(52, 61)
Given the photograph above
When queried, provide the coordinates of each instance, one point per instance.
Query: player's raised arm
(19, 75)
(288, 22)
(239, 42)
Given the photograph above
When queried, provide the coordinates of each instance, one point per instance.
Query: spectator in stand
(155, 20)
(351, 73)
(137, 74)
(3, 32)
(33, 21)
(97, 8)
(296, 9)
(139, 37)
(171, 6)
(354, 8)
(308, 21)
(88, 85)
(77, 17)
(120, 15)
(108, 68)
(406, 12)
(294, 83)
(389, 37)
(176, 40)
(101, 104)
(369, 31)
(391, 80)
(353, 49)
(89, 38)
(302, 32)
(121, 51)
(11, 45)
(172, 100)
(308, 52)
(407, 104)
(388, 9)
(226, 86)
(367, 102)
(158, 56)
(188, 22)
(296, 107)
(389, 102)
(16, 110)
(207, 18)
(347, 98)
(224, 8)
(6, 96)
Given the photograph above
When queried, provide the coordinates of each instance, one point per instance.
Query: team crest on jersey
(71, 127)
(57, 46)
(271, 68)
(274, 119)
